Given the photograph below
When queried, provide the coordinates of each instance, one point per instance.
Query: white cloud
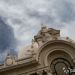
(26, 16)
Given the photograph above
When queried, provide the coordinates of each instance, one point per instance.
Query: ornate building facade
(49, 54)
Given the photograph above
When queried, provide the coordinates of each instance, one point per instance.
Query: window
(60, 66)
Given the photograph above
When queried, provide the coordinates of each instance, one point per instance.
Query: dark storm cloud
(7, 40)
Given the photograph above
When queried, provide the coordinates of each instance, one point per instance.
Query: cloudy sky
(20, 20)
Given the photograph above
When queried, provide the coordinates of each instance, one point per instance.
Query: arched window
(60, 66)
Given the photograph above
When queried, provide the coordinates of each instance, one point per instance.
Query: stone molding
(10, 60)
(39, 71)
(52, 42)
(17, 63)
(62, 49)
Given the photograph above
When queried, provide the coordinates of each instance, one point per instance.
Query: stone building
(49, 54)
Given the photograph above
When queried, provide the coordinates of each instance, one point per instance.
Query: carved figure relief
(47, 34)
(9, 60)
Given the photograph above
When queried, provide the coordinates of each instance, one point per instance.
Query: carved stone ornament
(9, 60)
(28, 52)
(47, 34)
(39, 72)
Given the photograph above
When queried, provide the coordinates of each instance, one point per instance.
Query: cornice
(36, 70)
(19, 65)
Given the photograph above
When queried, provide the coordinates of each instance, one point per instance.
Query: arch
(50, 51)
(52, 42)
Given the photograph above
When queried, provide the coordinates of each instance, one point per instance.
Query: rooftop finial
(32, 43)
(8, 54)
(42, 26)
